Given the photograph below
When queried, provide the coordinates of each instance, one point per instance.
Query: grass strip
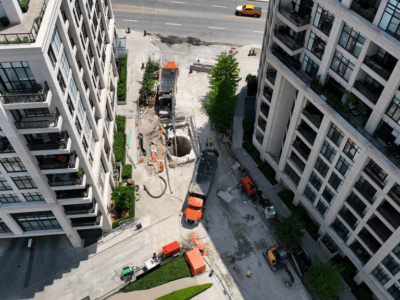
(186, 293)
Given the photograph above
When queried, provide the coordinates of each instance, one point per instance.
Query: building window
(335, 135)
(13, 165)
(390, 21)
(309, 66)
(315, 181)
(310, 194)
(393, 110)
(73, 89)
(92, 142)
(71, 107)
(16, 76)
(30, 197)
(78, 9)
(90, 53)
(4, 185)
(342, 66)
(321, 167)
(40, 220)
(328, 195)
(65, 65)
(24, 182)
(316, 45)
(394, 291)
(78, 126)
(81, 109)
(381, 275)
(352, 40)
(335, 182)
(9, 198)
(328, 152)
(3, 227)
(85, 144)
(61, 81)
(323, 20)
(52, 56)
(56, 41)
(396, 251)
(322, 208)
(292, 175)
(343, 166)
(391, 265)
(87, 127)
(351, 150)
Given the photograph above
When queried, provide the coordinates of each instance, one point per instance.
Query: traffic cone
(144, 33)
(230, 52)
(190, 71)
(138, 147)
(253, 53)
(249, 53)
(136, 124)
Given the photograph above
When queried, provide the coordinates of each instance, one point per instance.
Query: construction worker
(210, 142)
(206, 142)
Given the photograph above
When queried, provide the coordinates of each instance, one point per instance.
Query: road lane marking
(141, 7)
(178, 2)
(253, 19)
(130, 20)
(259, 31)
(135, 11)
(173, 24)
(216, 27)
(218, 6)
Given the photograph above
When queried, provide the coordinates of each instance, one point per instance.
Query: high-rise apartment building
(328, 122)
(58, 101)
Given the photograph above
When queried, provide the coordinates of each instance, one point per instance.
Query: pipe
(163, 192)
(166, 170)
(175, 145)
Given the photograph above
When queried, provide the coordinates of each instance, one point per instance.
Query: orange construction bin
(171, 249)
(195, 261)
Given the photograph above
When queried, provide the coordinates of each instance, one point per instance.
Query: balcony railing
(26, 96)
(379, 228)
(80, 222)
(80, 209)
(349, 218)
(360, 252)
(60, 143)
(64, 179)
(378, 67)
(364, 89)
(288, 41)
(309, 136)
(81, 193)
(363, 12)
(5, 145)
(268, 93)
(79, 212)
(262, 125)
(315, 119)
(359, 187)
(299, 148)
(376, 176)
(29, 37)
(287, 60)
(61, 162)
(293, 17)
(42, 122)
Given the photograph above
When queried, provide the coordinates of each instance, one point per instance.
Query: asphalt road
(209, 20)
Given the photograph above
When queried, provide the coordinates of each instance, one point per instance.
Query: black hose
(163, 192)
(166, 169)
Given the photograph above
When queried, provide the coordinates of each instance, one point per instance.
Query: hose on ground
(163, 192)
(166, 170)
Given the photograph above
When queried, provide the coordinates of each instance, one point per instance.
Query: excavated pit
(183, 146)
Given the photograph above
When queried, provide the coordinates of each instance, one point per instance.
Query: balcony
(357, 204)
(365, 9)
(367, 190)
(86, 222)
(390, 214)
(68, 179)
(384, 70)
(372, 93)
(271, 75)
(264, 109)
(52, 141)
(307, 132)
(360, 252)
(283, 35)
(349, 218)
(268, 93)
(327, 246)
(5, 146)
(377, 174)
(19, 98)
(38, 122)
(369, 240)
(313, 114)
(302, 148)
(62, 162)
(380, 228)
(290, 62)
(341, 230)
(20, 33)
(298, 162)
(293, 16)
(80, 209)
(394, 193)
(262, 123)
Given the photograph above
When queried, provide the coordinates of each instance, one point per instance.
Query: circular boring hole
(183, 146)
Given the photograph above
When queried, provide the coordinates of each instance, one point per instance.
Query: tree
(324, 279)
(122, 196)
(223, 79)
(290, 229)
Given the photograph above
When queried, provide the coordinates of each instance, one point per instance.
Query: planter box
(121, 102)
(25, 8)
(5, 22)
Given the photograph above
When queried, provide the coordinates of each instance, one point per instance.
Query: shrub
(346, 108)
(287, 196)
(22, 3)
(248, 128)
(120, 121)
(320, 87)
(331, 96)
(121, 89)
(119, 146)
(126, 171)
(253, 152)
(187, 293)
(124, 198)
(147, 84)
(170, 270)
(268, 172)
(151, 66)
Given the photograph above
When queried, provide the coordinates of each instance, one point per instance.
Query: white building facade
(57, 111)
(328, 122)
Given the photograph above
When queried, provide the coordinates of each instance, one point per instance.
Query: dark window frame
(11, 163)
(321, 204)
(381, 275)
(33, 197)
(22, 181)
(335, 182)
(393, 110)
(309, 66)
(328, 151)
(41, 220)
(343, 65)
(335, 134)
(315, 181)
(316, 45)
(328, 192)
(343, 166)
(9, 198)
(391, 12)
(292, 175)
(321, 167)
(354, 38)
(321, 15)
(391, 264)
(310, 194)
(4, 185)
(351, 149)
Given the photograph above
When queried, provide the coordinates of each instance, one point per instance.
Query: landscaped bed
(126, 171)
(170, 270)
(268, 172)
(253, 152)
(121, 89)
(124, 201)
(187, 293)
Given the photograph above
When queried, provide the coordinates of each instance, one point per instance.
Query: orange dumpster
(195, 261)
(171, 249)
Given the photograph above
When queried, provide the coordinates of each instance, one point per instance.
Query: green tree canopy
(290, 229)
(324, 279)
(223, 79)
(121, 196)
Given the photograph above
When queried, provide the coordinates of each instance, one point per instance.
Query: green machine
(127, 271)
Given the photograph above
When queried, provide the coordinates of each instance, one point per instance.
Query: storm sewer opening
(183, 146)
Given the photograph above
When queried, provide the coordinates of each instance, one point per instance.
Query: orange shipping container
(171, 249)
(195, 261)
